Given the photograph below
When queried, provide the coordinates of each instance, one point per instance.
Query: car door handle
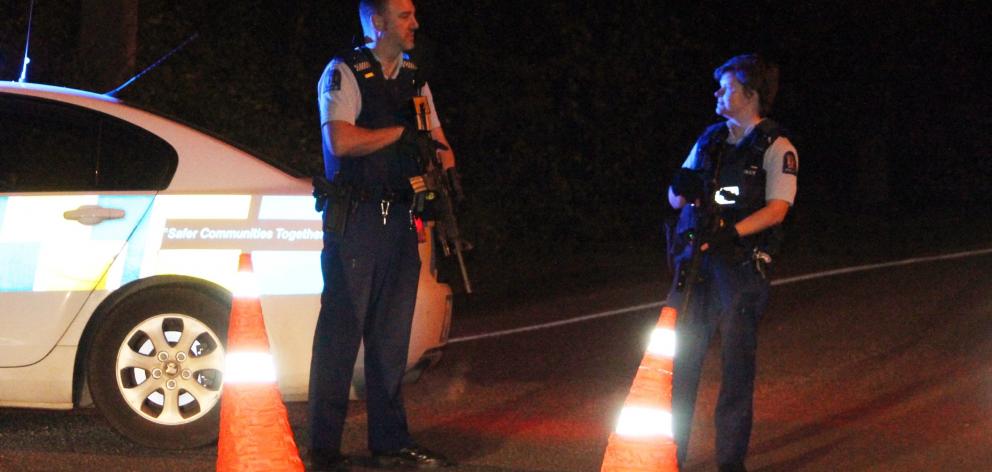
(93, 214)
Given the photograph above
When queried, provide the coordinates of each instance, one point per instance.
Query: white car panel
(31, 323)
(289, 322)
(35, 386)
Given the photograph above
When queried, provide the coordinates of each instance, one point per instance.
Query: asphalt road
(877, 370)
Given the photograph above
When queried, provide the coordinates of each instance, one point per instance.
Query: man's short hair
(756, 75)
(367, 8)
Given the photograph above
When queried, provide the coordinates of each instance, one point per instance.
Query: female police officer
(741, 176)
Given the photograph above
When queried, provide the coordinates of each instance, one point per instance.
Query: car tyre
(155, 366)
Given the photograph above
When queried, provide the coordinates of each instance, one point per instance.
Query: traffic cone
(254, 428)
(643, 440)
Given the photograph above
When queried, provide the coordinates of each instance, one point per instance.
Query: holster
(335, 201)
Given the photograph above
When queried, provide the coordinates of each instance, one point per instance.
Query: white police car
(120, 231)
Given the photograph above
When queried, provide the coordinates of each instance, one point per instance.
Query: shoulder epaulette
(407, 63)
(359, 61)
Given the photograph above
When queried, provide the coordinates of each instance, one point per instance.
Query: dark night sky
(567, 114)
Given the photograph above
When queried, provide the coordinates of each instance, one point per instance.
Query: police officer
(370, 261)
(748, 167)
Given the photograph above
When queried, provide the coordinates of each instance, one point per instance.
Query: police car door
(74, 185)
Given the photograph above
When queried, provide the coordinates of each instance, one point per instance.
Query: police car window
(52, 146)
(45, 147)
(132, 158)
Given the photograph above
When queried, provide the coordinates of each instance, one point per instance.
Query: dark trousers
(371, 274)
(731, 298)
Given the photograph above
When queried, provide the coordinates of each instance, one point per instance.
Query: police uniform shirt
(780, 162)
(341, 100)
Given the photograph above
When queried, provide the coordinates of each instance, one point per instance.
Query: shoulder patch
(336, 80)
(790, 163)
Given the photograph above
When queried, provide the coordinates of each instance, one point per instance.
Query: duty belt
(380, 194)
(385, 197)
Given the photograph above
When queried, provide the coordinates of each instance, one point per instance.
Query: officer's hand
(688, 184)
(723, 241)
(413, 141)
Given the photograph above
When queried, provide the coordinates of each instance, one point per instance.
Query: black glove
(413, 142)
(688, 184)
(723, 241)
(455, 179)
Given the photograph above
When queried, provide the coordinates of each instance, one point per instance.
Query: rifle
(442, 189)
(705, 221)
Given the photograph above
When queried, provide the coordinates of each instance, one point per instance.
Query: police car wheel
(155, 366)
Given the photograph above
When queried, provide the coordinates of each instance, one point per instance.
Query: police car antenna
(27, 43)
(137, 76)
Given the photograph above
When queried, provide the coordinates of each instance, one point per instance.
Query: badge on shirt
(336, 80)
(790, 163)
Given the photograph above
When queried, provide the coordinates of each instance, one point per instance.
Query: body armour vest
(385, 103)
(741, 184)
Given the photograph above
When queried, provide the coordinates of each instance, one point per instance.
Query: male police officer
(370, 261)
(749, 169)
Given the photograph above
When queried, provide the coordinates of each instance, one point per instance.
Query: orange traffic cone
(254, 427)
(643, 440)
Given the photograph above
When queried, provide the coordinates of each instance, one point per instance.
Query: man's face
(732, 100)
(398, 24)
